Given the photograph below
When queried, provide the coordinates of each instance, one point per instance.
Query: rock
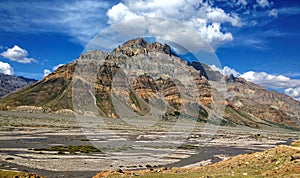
(295, 157)
(120, 171)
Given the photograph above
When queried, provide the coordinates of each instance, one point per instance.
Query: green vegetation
(188, 147)
(283, 126)
(84, 140)
(8, 174)
(203, 113)
(238, 117)
(54, 93)
(15, 174)
(71, 149)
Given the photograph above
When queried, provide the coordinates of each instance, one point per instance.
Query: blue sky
(255, 39)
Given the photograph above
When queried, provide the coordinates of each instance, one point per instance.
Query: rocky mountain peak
(135, 43)
(140, 46)
(230, 78)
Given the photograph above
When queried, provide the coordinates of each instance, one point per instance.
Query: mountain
(103, 79)
(10, 83)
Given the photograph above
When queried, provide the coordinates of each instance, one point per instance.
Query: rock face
(9, 84)
(148, 77)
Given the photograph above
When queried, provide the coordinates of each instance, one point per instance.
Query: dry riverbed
(57, 146)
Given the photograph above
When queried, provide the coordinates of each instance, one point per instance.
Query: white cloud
(290, 86)
(17, 54)
(273, 13)
(293, 92)
(242, 2)
(47, 72)
(56, 67)
(120, 12)
(289, 10)
(226, 70)
(263, 3)
(269, 80)
(5, 68)
(215, 68)
(205, 20)
(229, 71)
(218, 15)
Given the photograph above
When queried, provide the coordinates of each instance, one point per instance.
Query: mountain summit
(139, 46)
(245, 103)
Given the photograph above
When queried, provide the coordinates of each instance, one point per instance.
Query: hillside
(9, 84)
(151, 91)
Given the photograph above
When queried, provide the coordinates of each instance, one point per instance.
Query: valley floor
(59, 146)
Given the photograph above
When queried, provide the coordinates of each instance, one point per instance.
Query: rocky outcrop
(140, 46)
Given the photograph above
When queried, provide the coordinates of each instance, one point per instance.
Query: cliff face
(148, 77)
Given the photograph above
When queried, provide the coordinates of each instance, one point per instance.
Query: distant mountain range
(9, 83)
(245, 103)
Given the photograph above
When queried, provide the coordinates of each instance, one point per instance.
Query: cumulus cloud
(269, 80)
(17, 54)
(120, 12)
(290, 86)
(263, 3)
(229, 71)
(47, 72)
(205, 20)
(226, 70)
(5, 68)
(293, 92)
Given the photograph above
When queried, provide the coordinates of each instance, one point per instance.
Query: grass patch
(8, 174)
(188, 147)
(71, 149)
(283, 126)
(84, 140)
(163, 146)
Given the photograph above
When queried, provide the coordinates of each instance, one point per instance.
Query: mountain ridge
(11, 83)
(246, 103)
